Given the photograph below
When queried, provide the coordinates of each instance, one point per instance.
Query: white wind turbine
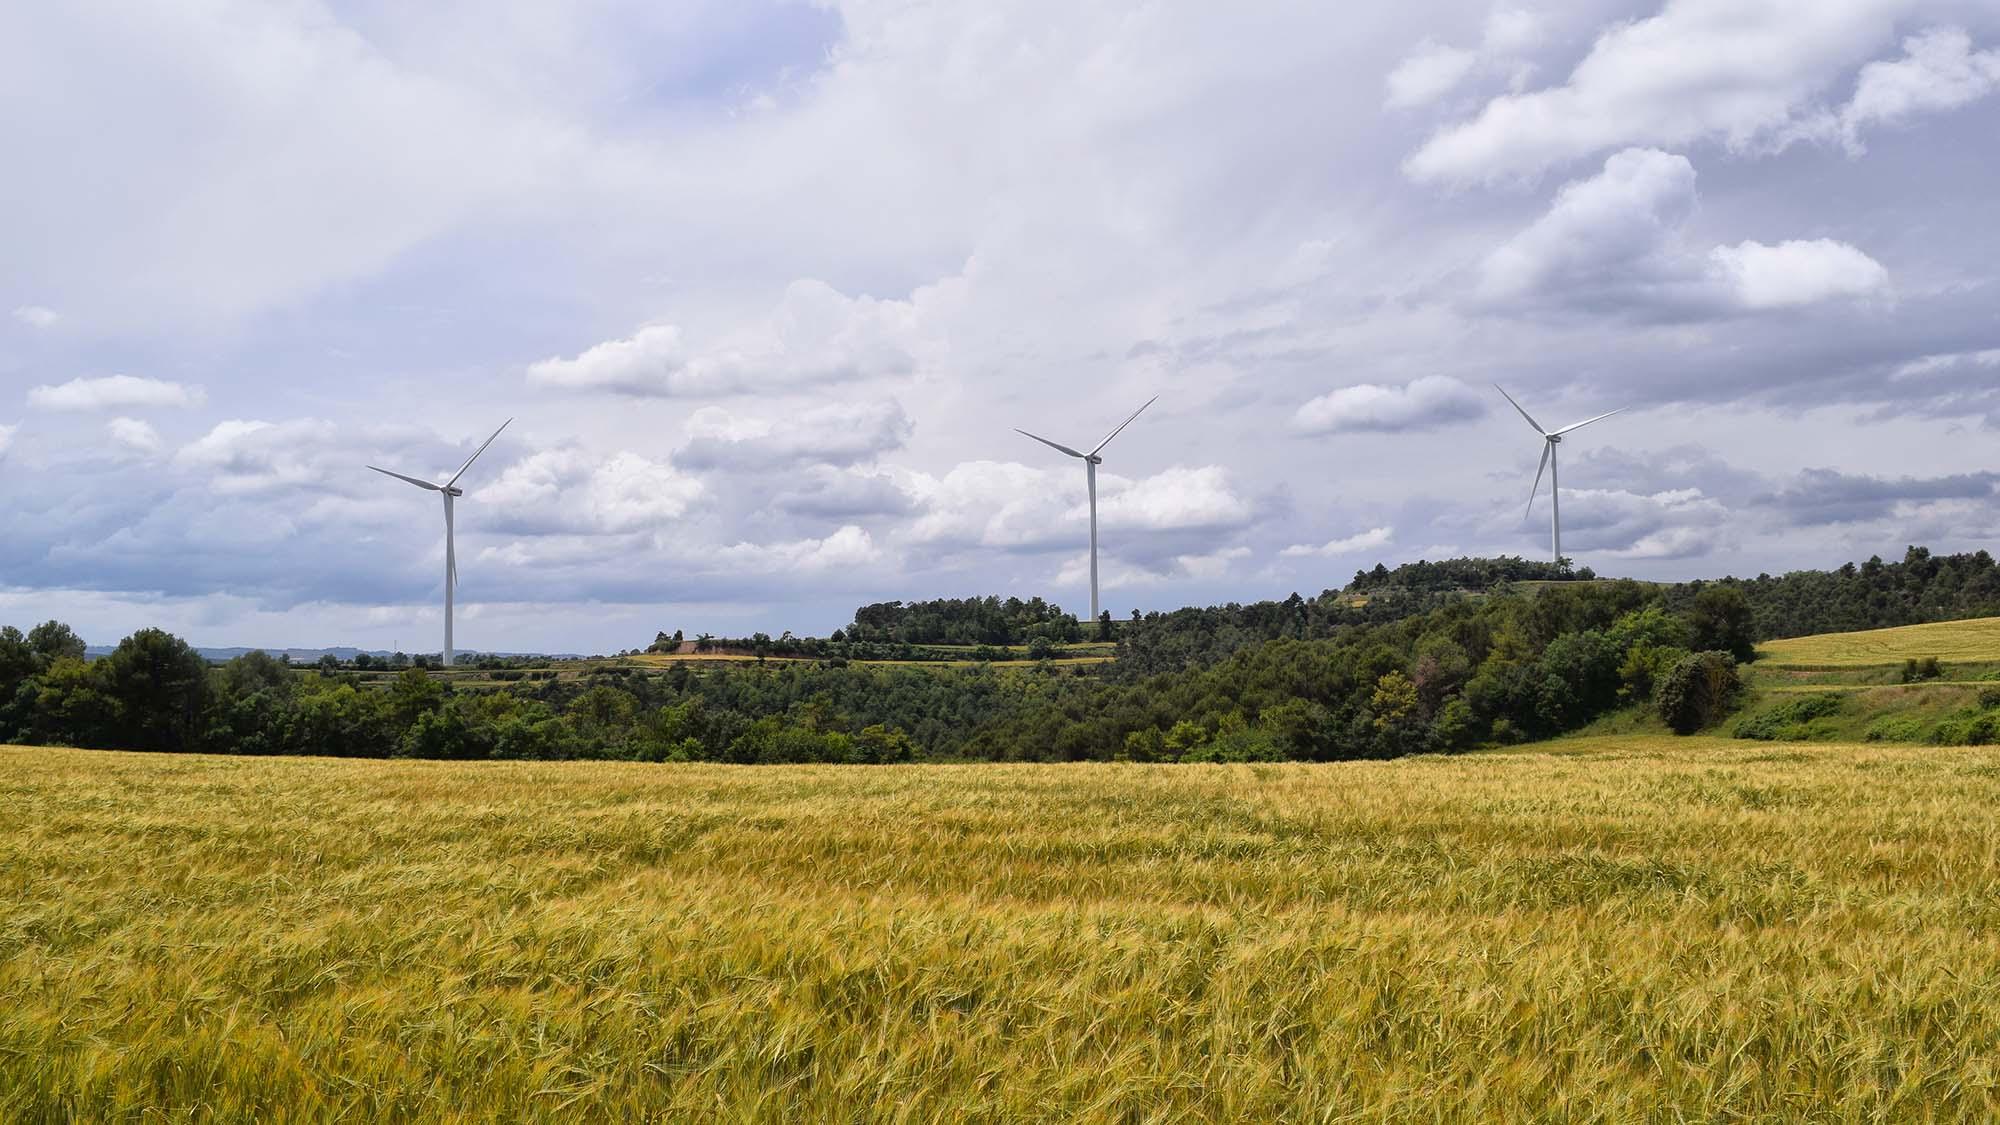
(1090, 462)
(450, 491)
(1550, 439)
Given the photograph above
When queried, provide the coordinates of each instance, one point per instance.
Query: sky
(766, 287)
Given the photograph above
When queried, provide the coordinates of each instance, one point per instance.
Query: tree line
(1423, 665)
(1457, 675)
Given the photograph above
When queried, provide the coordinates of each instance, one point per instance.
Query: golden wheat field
(1949, 641)
(1602, 930)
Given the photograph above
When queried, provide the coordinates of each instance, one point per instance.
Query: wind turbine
(1550, 439)
(1090, 462)
(450, 491)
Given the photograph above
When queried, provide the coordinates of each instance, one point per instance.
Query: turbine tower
(1550, 439)
(1090, 462)
(450, 491)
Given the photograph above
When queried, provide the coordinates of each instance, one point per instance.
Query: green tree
(1147, 744)
(53, 640)
(1720, 620)
(17, 662)
(1456, 726)
(412, 695)
(1698, 692)
(162, 688)
(67, 706)
(1185, 736)
(1299, 725)
(880, 745)
(1393, 702)
(440, 733)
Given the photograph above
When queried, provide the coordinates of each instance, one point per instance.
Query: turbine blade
(1122, 425)
(1047, 442)
(412, 480)
(1586, 422)
(475, 454)
(1517, 406)
(1539, 469)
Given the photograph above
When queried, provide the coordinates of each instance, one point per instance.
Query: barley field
(1611, 929)
(1976, 640)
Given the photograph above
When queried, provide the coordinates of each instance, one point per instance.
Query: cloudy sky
(766, 285)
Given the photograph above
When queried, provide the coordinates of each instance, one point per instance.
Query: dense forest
(906, 631)
(1456, 655)
(1870, 595)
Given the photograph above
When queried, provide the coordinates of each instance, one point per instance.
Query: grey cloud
(839, 435)
(836, 494)
(1829, 496)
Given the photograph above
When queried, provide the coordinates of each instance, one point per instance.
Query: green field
(1603, 929)
(1849, 686)
(1974, 641)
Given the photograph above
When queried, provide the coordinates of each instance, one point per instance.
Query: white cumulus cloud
(1434, 400)
(848, 547)
(1435, 69)
(834, 434)
(36, 316)
(135, 436)
(1618, 242)
(1177, 499)
(239, 456)
(1360, 541)
(1939, 71)
(815, 335)
(114, 392)
(1117, 573)
(1794, 273)
(1429, 73)
(568, 490)
(1746, 74)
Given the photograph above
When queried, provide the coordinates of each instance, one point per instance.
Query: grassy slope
(1953, 642)
(1601, 929)
(1863, 672)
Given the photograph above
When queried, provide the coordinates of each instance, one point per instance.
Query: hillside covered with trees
(1454, 656)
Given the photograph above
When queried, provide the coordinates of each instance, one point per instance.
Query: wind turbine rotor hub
(453, 491)
(1095, 459)
(1555, 439)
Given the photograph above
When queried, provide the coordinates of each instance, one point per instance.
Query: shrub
(1790, 722)
(1966, 729)
(1146, 744)
(1917, 671)
(1241, 745)
(1898, 728)
(1185, 737)
(1700, 690)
